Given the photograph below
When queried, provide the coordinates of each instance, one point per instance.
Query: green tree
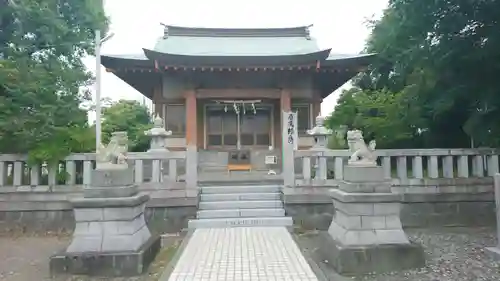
(42, 75)
(129, 116)
(382, 115)
(439, 59)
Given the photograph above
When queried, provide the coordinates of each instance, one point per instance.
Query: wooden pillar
(158, 106)
(316, 109)
(285, 100)
(191, 140)
(191, 118)
(158, 109)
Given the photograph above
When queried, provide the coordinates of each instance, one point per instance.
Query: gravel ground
(452, 254)
(26, 258)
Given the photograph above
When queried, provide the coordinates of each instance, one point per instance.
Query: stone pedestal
(111, 237)
(366, 234)
(111, 183)
(494, 252)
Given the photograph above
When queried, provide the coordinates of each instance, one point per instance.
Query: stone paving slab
(244, 253)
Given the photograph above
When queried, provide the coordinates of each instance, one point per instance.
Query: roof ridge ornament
(308, 32)
(165, 30)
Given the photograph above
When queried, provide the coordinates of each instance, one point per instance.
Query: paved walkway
(242, 253)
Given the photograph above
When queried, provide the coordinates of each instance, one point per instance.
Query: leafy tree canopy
(383, 115)
(129, 116)
(42, 74)
(439, 62)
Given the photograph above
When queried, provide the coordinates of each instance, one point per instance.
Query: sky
(337, 24)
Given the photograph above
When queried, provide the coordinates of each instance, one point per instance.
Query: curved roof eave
(119, 61)
(347, 60)
(270, 60)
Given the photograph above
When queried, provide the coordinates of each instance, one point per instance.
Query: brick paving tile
(242, 253)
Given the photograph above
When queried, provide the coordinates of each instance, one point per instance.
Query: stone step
(240, 213)
(240, 189)
(219, 205)
(240, 196)
(240, 222)
(238, 180)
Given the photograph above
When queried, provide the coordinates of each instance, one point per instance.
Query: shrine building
(222, 90)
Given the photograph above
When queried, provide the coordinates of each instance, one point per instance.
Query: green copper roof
(236, 42)
(212, 46)
(169, 59)
(192, 48)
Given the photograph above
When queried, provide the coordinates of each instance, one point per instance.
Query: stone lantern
(158, 135)
(320, 134)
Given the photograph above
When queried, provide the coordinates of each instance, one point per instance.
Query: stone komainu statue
(362, 154)
(114, 155)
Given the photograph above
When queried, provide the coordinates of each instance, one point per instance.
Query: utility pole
(97, 89)
(98, 44)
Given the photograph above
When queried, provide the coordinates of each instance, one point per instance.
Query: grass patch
(162, 259)
(301, 230)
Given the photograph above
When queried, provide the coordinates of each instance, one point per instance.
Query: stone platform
(366, 233)
(126, 263)
(109, 224)
(494, 252)
(111, 237)
(359, 260)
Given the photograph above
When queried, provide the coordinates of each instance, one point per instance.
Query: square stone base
(109, 264)
(359, 260)
(493, 252)
(353, 173)
(110, 191)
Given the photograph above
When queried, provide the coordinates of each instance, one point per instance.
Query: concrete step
(240, 189)
(240, 213)
(240, 222)
(219, 205)
(238, 180)
(240, 196)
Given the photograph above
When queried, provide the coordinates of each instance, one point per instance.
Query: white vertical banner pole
(295, 131)
(289, 142)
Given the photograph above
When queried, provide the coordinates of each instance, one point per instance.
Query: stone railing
(403, 166)
(74, 170)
